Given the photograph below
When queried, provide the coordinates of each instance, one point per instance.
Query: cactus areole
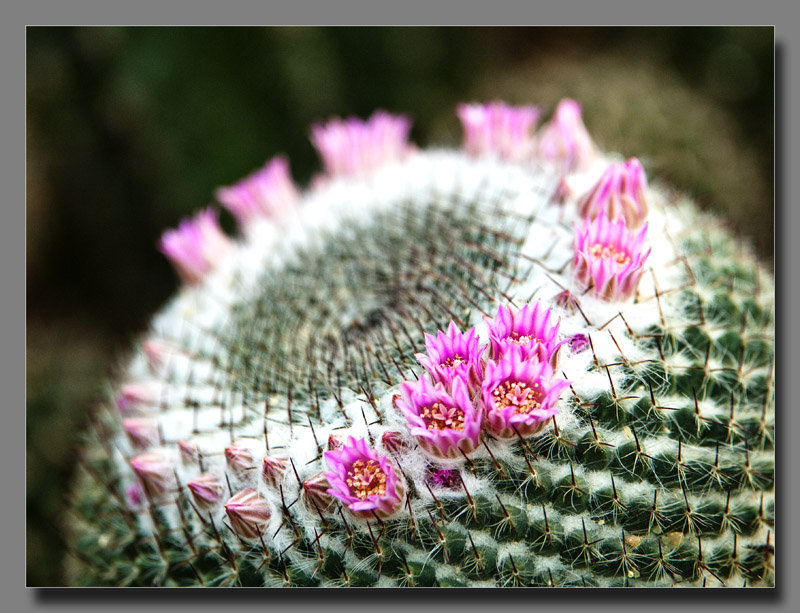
(517, 363)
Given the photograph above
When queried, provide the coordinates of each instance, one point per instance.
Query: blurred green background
(130, 129)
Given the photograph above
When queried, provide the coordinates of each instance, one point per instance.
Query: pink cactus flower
(207, 489)
(620, 192)
(195, 247)
(529, 328)
(155, 473)
(272, 470)
(248, 513)
(519, 395)
(453, 355)
(565, 140)
(608, 258)
(239, 459)
(443, 420)
(353, 147)
(142, 431)
(364, 480)
(265, 193)
(498, 129)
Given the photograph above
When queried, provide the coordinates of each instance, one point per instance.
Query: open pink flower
(620, 192)
(498, 129)
(453, 355)
(529, 328)
(248, 513)
(351, 146)
(565, 140)
(195, 247)
(207, 489)
(444, 421)
(264, 193)
(364, 480)
(609, 258)
(519, 395)
(155, 473)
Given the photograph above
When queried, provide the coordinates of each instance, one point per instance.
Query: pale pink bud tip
(352, 147)
(207, 489)
(189, 451)
(135, 496)
(248, 513)
(155, 473)
(565, 140)
(265, 193)
(498, 129)
(620, 192)
(142, 431)
(519, 395)
(364, 480)
(196, 246)
(608, 258)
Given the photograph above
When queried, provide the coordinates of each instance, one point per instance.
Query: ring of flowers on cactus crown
(519, 395)
(365, 481)
(444, 421)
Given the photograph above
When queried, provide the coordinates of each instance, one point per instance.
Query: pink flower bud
(567, 301)
(393, 441)
(335, 442)
(239, 459)
(608, 258)
(189, 451)
(142, 431)
(248, 513)
(139, 395)
(579, 343)
(196, 246)
(565, 140)
(620, 192)
(272, 470)
(364, 480)
(315, 493)
(265, 193)
(155, 473)
(498, 129)
(207, 490)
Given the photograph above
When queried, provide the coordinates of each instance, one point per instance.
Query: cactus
(513, 364)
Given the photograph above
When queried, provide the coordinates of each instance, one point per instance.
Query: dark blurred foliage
(130, 129)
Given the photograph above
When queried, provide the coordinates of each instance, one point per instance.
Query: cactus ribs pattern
(270, 401)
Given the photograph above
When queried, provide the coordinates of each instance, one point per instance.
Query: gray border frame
(335, 12)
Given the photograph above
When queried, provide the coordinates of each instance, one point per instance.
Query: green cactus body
(657, 470)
